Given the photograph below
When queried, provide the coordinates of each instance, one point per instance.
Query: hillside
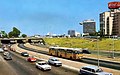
(104, 44)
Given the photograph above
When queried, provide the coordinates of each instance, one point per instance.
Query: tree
(4, 34)
(10, 34)
(14, 33)
(24, 35)
(101, 33)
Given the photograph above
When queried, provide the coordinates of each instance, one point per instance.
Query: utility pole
(113, 48)
(98, 52)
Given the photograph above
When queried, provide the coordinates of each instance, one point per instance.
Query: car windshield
(24, 52)
(55, 60)
(32, 57)
(8, 55)
(42, 63)
(6, 52)
(77, 52)
(99, 70)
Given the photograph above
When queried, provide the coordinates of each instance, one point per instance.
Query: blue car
(92, 70)
(25, 54)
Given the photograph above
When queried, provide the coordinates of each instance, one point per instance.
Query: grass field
(105, 46)
(92, 44)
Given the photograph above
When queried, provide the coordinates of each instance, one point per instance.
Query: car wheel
(60, 55)
(42, 69)
(36, 66)
(70, 57)
(49, 63)
(51, 54)
(55, 64)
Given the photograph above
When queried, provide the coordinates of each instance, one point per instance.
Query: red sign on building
(114, 5)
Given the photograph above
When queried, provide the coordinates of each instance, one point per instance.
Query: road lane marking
(31, 69)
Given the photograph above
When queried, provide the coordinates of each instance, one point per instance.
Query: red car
(31, 59)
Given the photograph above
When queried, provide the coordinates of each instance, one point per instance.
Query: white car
(55, 61)
(43, 65)
(1, 50)
(6, 53)
(93, 70)
(5, 49)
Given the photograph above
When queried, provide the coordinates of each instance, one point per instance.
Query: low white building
(73, 33)
(77, 34)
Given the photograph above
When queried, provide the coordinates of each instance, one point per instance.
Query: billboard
(114, 5)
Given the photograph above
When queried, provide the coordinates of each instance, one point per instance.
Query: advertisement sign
(114, 5)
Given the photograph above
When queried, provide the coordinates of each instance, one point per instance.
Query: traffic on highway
(30, 65)
(53, 64)
(94, 61)
(60, 37)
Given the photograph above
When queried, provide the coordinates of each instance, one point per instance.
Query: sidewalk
(66, 63)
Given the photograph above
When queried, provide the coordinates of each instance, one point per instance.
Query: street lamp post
(113, 54)
(98, 52)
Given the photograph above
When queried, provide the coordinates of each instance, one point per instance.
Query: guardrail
(104, 63)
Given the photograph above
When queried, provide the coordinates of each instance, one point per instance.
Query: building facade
(77, 34)
(89, 26)
(107, 20)
(116, 24)
(71, 33)
(105, 23)
(110, 20)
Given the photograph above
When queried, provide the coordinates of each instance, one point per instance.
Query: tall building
(116, 24)
(109, 20)
(89, 26)
(106, 23)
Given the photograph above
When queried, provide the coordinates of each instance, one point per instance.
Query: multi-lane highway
(19, 66)
(109, 64)
(5, 68)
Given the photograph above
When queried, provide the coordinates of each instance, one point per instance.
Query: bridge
(21, 40)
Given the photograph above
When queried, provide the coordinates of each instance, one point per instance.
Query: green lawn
(104, 44)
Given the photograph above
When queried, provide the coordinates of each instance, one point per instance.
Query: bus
(69, 53)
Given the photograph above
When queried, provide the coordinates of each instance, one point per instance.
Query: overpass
(21, 40)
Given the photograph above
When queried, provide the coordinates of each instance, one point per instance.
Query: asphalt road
(19, 66)
(5, 68)
(108, 64)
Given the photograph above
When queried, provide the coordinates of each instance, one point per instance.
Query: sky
(38, 17)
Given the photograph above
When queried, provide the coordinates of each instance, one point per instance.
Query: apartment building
(109, 20)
